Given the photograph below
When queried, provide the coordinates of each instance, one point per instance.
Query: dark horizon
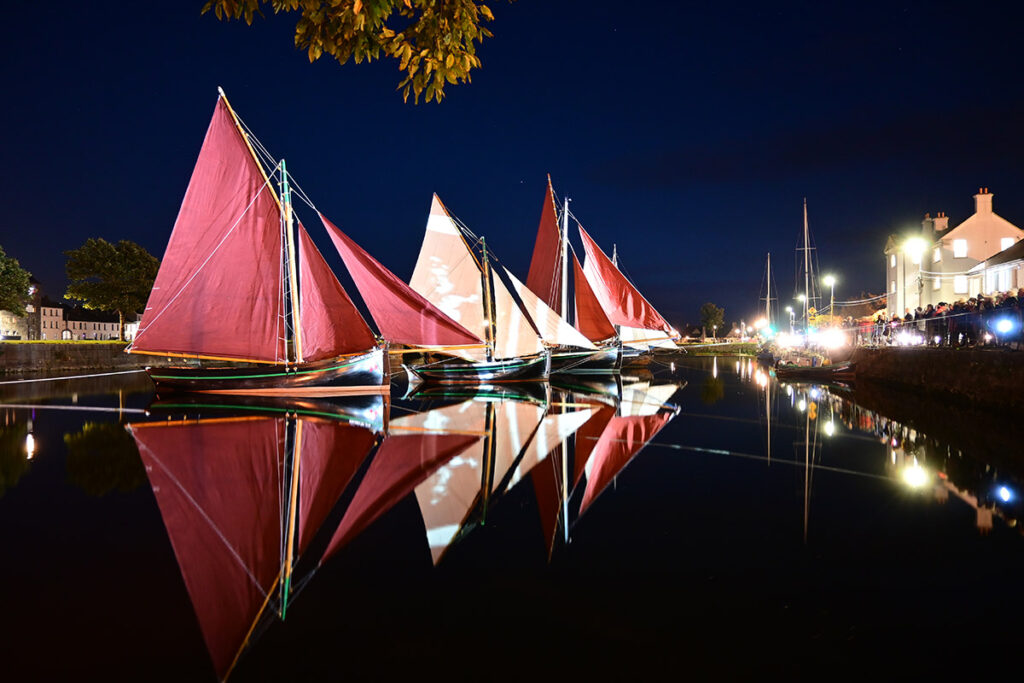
(687, 137)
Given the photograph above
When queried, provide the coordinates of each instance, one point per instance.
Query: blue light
(1005, 494)
(1004, 325)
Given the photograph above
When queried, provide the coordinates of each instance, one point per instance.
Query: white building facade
(936, 265)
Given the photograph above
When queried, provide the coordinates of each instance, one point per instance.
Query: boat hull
(840, 372)
(602, 361)
(362, 374)
(459, 371)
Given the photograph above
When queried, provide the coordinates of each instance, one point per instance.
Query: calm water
(765, 528)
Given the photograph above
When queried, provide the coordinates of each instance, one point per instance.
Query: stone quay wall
(61, 358)
(990, 377)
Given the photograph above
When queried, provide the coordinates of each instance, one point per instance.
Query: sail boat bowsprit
(232, 295)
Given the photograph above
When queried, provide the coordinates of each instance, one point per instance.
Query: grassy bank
(722, 349)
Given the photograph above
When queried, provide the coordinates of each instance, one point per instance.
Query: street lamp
(830, 282)
(913, 247)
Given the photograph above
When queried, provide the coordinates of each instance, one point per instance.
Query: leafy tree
(13, 460)
(116, 278)
(103, 458)
(434, 42)
(712, 390)
(711, 316)
(14, 285)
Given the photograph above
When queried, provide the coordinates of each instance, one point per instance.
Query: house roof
(1014, 253)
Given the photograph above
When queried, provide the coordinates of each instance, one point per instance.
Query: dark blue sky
(687, 134)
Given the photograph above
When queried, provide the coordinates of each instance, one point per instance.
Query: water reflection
(247, 488)
(966, 454)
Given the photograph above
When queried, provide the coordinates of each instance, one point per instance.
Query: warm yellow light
(759, 323)
(830, 428)
(914, 247)
(915, 476)
(30, 446)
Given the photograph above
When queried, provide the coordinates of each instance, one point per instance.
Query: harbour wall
(30, 359)
(979, 377)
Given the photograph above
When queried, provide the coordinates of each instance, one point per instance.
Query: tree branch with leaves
(434, 42)
(116, 278)
(14, 285)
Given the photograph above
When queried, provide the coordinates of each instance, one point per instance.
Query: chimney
(983, 201)
(928, 228)
(940, 223)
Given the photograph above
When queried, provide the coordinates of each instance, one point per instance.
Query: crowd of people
(981, 320)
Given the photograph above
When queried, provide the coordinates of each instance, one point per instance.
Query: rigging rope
(57, 379)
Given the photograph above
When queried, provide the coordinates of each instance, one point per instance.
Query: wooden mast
(293, 281)
(293, 499)
(488, 303)
(564, 258)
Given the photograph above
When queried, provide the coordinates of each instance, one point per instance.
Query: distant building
(937, 264)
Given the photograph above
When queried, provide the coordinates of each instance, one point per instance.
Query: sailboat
(593, 348)
(449, 275)
(640, 325)
(234, 299)
(489, 446)
(241, 497)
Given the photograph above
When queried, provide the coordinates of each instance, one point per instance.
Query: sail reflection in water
(245, 489)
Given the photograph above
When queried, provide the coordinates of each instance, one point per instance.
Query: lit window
(1006, 243)
(892, 261)
(936, 283)
(937, 255)
(960, 284)
(960, 249)
(1004, 279)
(892, 286)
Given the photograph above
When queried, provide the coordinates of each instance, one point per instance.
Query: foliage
(712, 390)
(103, 458)
(434, 42)
(116, 278)
(13, 462)
(711, 316)
(14, 285)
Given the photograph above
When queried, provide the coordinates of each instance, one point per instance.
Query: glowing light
(802, 405)
(1004, 325)
(988, 337)
(938, 339)
(914, 247)
(830, 428)
(30, 446)
(915, 476)
(829, 280)
(1005, 494)
(832, 338)
(801, 297)
(815, 393)
(759, 323)
(761, 378)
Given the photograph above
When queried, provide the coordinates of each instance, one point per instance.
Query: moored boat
(246, 309)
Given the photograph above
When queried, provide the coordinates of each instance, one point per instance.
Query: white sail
(514, 336)
(447, 273)
(553, 431)
(553, 328)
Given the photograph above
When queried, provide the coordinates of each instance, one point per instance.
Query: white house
(936, 264)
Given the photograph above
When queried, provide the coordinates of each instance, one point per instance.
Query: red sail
(587, 437)
(544, 278)
(620, 300)
(402, 315)
(401, 463)
(332, 451)
(591, 320)
(622, 439)
(218, 291)
(331, 324)
(217, 484)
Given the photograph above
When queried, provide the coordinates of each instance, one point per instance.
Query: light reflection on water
(463, 482)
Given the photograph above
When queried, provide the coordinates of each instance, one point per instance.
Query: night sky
(687, 134)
